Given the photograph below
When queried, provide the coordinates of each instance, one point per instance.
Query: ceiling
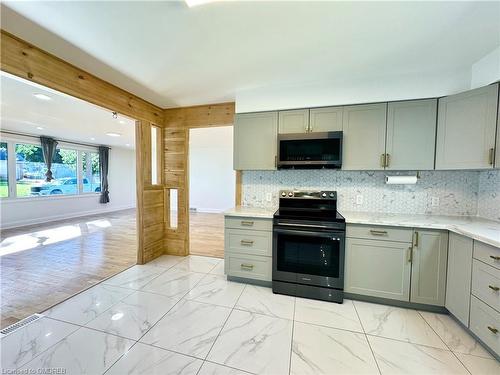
(62, 116)
(173, 55)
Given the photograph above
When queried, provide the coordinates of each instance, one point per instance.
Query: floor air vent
(20, 324)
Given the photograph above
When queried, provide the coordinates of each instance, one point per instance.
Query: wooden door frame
(180, 121)
(29, 62)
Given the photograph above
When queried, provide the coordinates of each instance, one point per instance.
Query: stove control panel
(308, 194)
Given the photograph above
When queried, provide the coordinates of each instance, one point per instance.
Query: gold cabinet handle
(246, 242)
(491, 156)
(415, 242)
(247, 266)
(382, 160)
(494, 288)
(410, 254)
(387, 160)
(494, 257)
(493, 329)
(247, 223)
(378, 232)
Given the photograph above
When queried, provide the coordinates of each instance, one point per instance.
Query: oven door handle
(332, 235)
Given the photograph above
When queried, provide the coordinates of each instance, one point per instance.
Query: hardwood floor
(43, 265)
(206, 234)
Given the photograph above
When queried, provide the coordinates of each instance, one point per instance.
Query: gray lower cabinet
(429, 260)
(377, 268)
(396, 263)
(459, 276)
(466, 129)
(255, 140)
(485, 323)
(294, 121)
(327, 119)
(364, 136)
(411, 134)
(248, 248)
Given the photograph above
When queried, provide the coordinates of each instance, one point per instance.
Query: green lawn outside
(23, 190)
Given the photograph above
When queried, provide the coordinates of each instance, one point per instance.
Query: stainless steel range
(309, 246)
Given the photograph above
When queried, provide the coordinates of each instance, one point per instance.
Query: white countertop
(241, 211)
(487, 231)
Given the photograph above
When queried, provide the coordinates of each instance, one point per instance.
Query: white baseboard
(48, 219)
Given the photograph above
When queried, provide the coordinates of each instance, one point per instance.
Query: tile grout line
(293, 330)
(146, 332)
(425, 320)
(225, 322)
(366, 337)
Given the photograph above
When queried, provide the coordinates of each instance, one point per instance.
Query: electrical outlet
(269, 197)
(359, 199)
(434, 201)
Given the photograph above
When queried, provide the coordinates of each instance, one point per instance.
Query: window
(91, 180)
(74, 171)
(4, 174)
(154, 155)
(30, 170)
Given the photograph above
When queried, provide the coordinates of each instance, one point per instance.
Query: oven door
(309, 257)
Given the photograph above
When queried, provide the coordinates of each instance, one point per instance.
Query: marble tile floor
(180, 316)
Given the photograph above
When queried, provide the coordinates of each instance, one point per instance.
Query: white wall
(211, 175)
(122, 193)
(354, 89)
(486, 70)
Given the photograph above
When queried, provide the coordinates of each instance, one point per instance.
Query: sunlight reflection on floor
(28, 241)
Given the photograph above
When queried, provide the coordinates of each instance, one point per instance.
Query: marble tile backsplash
(488, 201)
(457, 191)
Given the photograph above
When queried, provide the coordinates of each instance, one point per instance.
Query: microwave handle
(332, 234)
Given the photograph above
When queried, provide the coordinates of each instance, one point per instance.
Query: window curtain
(103, 172)
(48, 150)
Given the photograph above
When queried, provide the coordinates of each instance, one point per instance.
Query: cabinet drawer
(486, 284)
(249, 223)
(251, 242)
(374, 232)
(248, 266)
(487, 254)
(485, 323)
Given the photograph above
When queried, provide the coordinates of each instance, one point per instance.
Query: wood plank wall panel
(151, 218)
(177, 122)
(27, 61)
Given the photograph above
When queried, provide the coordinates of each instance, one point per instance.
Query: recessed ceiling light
(121, 122)
(39, 128)
(114, 134)
(128, 144)
(92, 139)
(42, 97)
(193, 3)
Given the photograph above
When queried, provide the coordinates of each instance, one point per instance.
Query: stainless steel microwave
(310, 150)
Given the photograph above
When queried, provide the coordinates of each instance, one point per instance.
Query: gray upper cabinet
(466, 129)
(497, 155)
(429, 260)
(411, 134)
(255, 140)
(294, 121)
(325, 119)
(459, 276)
(364, 136)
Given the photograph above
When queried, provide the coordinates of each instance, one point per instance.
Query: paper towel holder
(402, 180)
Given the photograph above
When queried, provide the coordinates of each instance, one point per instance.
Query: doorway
(57, 238)
(212, 186)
